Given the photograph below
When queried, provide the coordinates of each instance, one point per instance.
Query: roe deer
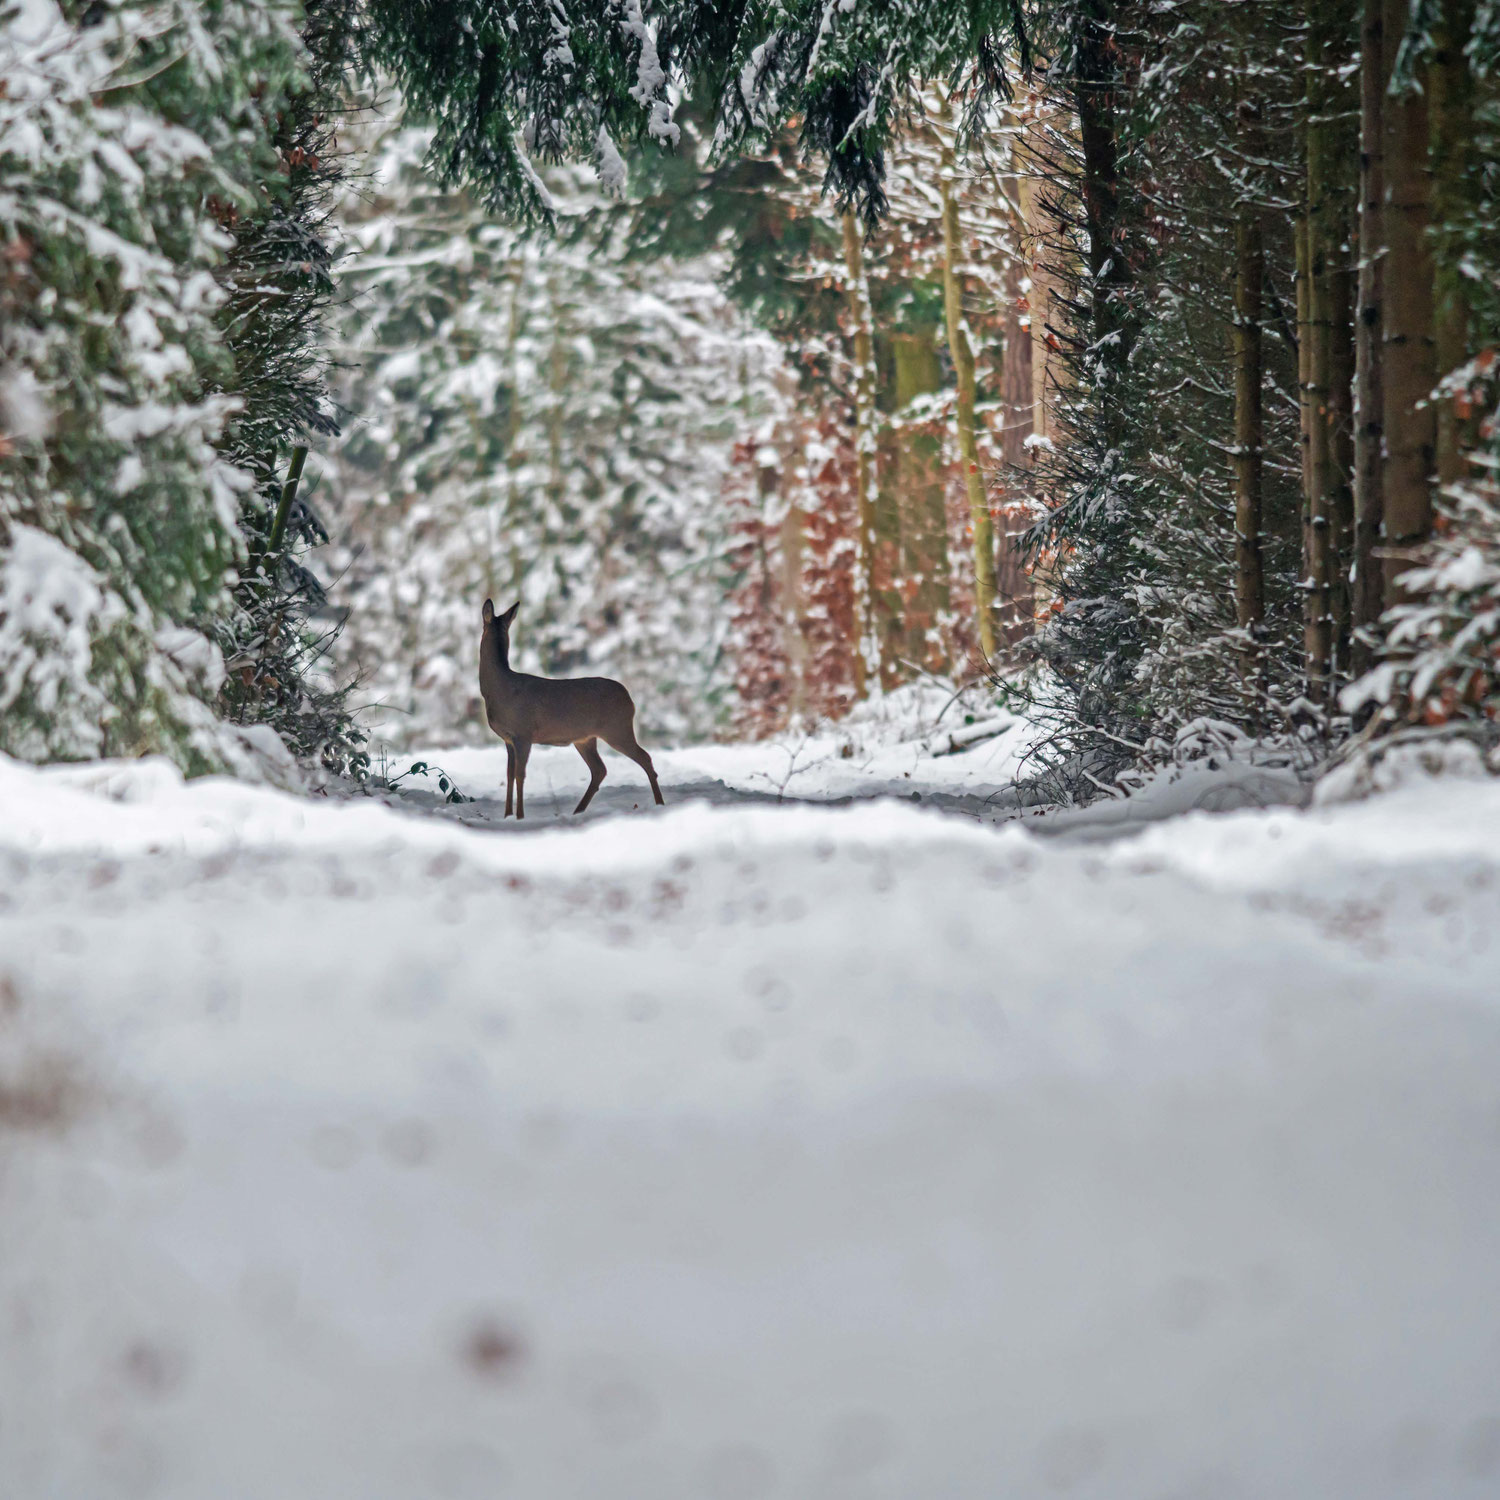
(526, 711)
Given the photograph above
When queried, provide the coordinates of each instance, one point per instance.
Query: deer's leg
(589, 750)
(523, 753)
(510, 775)
(627, 744)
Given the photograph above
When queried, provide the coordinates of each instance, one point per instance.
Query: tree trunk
(1031, 229)
(1369, 399)
(794, 610)
(557, 382)
(1314, 578)
(1410, 370)
(981, 526)
(866, 650)
(1450, 96)
(1329, 361)
(1341, 436)
(1319, 534)
(1249, 434)
(1046, 373)
(509, 522)
(916, 480)
(1095, 83)
(1015, 586)
(1337, 21)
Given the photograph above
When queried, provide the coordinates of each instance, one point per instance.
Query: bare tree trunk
(1038, 299)
(866, 649)
(794, 609)
(508, 521)
(1450, 95)
(1329, 363)
(1044, 369)
(916, 480)
(1319, 631)
(1249, 433)
(1409, 365)
(981, 526)
(557, 378)
(1314, 576)
(1341, 438)
(1015, 587)
(1341, 174)
(1369, 398)
(1095, 84)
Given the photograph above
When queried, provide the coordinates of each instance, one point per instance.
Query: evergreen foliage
(166, 173)
(119, 510)
(558, 82)
(279, 280)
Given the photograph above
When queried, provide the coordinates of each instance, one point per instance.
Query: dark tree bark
(1450, 94)
(1409, 362)
(1249, 429)
(1096, 83)
(1369, 398)
(1329, 357)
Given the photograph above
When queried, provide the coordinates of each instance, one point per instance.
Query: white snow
(749, 1151)
(811, 766)
(51, 603)
(925, 737)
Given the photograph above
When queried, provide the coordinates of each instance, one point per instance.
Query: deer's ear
(510, 614)
(488, 612)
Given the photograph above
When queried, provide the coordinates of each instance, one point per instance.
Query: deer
(526, 711)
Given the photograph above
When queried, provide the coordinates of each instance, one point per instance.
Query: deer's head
(497, 627)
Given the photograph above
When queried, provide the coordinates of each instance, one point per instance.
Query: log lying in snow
(974, 734)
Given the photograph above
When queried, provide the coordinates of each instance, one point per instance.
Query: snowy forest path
(772, 775)
(544, 810)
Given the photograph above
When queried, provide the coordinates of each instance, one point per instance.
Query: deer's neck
(497, 683)
(499, 653)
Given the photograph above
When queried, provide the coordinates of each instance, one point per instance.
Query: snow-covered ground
(743, 1151)
(962, 751)
(925, 737)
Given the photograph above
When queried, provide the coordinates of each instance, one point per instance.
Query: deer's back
(558, 710)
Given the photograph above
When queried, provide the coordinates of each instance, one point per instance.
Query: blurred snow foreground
(742, 1151)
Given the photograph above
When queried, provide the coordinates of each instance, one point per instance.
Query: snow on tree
(531, 418)
(508, 82)
(120, 130)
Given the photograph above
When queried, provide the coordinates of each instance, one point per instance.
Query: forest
(1138, 358)
(749, 749)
